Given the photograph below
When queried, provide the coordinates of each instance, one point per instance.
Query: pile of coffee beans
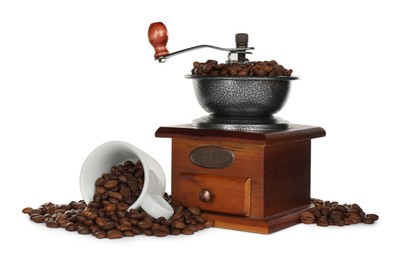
(107, 215)
(326, 213)
(255, 69)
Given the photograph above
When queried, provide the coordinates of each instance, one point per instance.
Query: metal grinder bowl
(241, 96)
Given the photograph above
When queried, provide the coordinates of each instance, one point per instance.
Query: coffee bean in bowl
(211, 68)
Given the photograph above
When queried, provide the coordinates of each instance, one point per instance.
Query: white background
(76, 74)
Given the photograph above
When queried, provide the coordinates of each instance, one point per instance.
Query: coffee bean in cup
(106, 216)
(327, 213)
(211, 68)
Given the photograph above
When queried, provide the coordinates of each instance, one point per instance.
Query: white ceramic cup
(113, 153)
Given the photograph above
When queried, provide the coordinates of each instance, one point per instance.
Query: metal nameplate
(212, 157)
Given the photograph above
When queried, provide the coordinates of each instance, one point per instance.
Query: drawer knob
(206, 195)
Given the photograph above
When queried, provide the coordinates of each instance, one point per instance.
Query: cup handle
(156, 206)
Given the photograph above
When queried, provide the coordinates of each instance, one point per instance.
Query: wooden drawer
(230, 194)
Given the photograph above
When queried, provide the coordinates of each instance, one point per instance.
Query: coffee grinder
(244, 168)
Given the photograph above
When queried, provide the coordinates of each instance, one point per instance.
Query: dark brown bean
(71, 226)
(178, 224)
(147, 232)
(192, 227)
(129, 233)
(83, 230)
(373, 216)
(322, 222)
(114, 234)
(368, 220)
(108, 226)
(38, 218)
(208, 224)
(144, 224)
(125, 227)
(110, 208)
(115, 195)
(175, 231)
(110, 184)
(194, 210)
(200, 219)
(27, 210)
(187, 231)
(161, 233)
(307, 217)
(52, 224)
(100, 234)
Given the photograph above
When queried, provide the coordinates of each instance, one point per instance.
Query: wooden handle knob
(205, 195)
(158, 37)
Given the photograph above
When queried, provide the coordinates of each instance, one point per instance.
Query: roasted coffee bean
(133, 221)
(325, 210)
(373, 216)
(339, 222)
(109, 225)
(124, 221)
(147, 232)
(83, 230)
(354, 218)
(307, 217)
(64, 223)
(144, 224)
(92, 216)
(187, 231)
(167, 222)
(71, 226)
(200, 219)
(368, 220)
(128, 233)
(322, 222)
(88, 222)
(115, 195)
(122, 206)
(114, 233)
(125, 227)
(130, 200)
(336, 215)
(194, 210)
(178, 224)
(161, 233)
(208, 224)
(110, 184)
(192, 227)
(100, 234)
(200, 226)
(155, 226)
(110, 208)
(54, 224)
(113, 201)
(27, 210)
(347, 221)
(175, 231)
(341, 208)
(137, 230)
(38, 218)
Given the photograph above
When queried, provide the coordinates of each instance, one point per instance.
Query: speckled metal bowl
(241, 96)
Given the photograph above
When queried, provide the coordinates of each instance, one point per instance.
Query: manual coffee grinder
(244, 168)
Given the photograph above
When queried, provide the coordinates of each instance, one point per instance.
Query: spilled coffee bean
(326, 213)
(106, 216)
